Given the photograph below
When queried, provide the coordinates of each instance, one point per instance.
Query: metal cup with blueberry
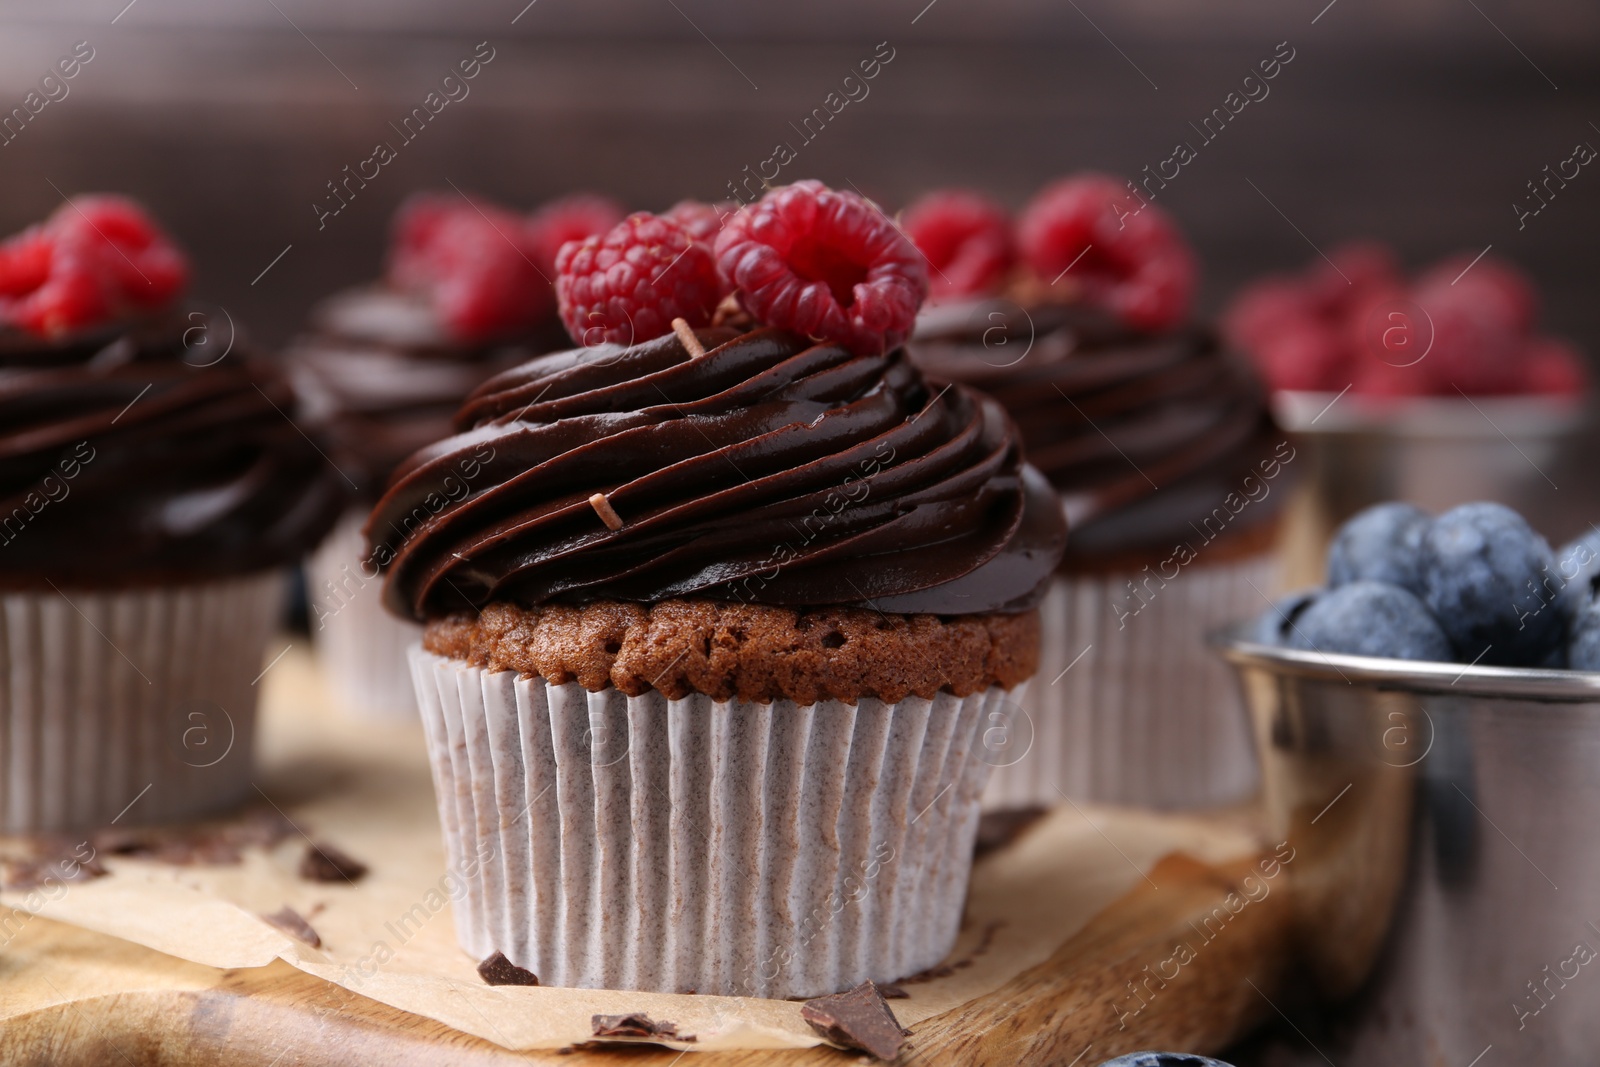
(1475, 585)
(1428, 725)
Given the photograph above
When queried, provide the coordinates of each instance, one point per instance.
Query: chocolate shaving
(211, 844)
(636, 1024)
(691, 343)
(997, 829)
(23, 875)
(890, 991)
(294, 924)
(324, 863)
(860, 1019)
(497, 970)
(607, 513)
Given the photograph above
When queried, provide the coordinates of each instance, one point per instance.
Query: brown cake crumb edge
(752, 652)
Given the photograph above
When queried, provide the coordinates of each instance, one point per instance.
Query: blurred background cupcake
(1078, 320)
(383, 368)
(742, 606)
(152, 489)
(1437, 389)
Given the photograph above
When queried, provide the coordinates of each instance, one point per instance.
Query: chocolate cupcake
(384, 367)
(1171, 473)
(714, 636)
(152, 490)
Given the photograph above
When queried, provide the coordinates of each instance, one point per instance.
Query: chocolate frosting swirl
(770, 470)
(381, 377)
(142, 454)
(1140, 433)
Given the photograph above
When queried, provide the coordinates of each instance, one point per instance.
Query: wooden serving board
(1170, 950)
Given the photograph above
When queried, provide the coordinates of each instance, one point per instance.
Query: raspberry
(473, 263)
(25, 262)
(1351, 273)
(146, 269)
(1304, 356)
(702, 220)
(1266, 308)
(412, 233)
(570, 218)
(94, 259)
(1125, 256)
(1475, 340)
(1491, 281)
(1553, 368)
(629, 284)
(967, 239)
(826, 264)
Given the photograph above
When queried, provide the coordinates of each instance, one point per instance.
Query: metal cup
(1530, 453)
(1446, 822)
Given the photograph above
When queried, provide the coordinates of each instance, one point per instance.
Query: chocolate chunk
(210, 844)
(324, 863)
(497, 970)
(294, 924)
(859, 1019)
(636, 1024)
(44, 870)
(997, 829)
(893, 992)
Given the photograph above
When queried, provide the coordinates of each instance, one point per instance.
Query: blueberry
(1493, 584)
(1383, 544)
(1580, 558)
(1578, 569)
(1274, 625)
(1163, 1059)
(1583, 645)
(1370, 619)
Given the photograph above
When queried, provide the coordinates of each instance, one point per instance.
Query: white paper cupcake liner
(1136, 709)
(767, 850)
(136, 703)
(362, 648)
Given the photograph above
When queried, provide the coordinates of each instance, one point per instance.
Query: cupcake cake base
(134, 705)
(630, 836)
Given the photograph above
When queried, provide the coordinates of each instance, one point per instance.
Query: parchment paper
(364, 787)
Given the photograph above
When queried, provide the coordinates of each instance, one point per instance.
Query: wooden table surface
(1063, 1011)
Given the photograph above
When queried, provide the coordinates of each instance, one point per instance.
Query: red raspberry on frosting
(95, 258)
(826, 264)
(569, 218)
(1124, 255)
(629, 284)
(701, 219)
(473, 263)
(967, 239)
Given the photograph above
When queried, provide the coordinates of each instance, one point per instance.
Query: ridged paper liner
(767, 850)
(140, 700)
(1148, 715)
(362, 648)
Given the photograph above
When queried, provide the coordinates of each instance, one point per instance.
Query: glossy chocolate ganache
(770, 470)
(382, 377)
(1144, 435)
(149, 452)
